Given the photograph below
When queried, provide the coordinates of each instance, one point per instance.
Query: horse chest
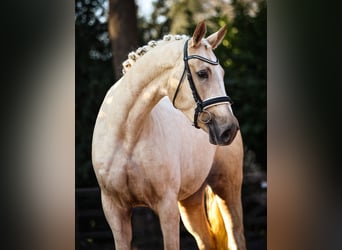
(136, 179)
(194, 173)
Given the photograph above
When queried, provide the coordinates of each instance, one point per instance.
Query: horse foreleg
(195, 221)
(167, 211)
(119, 220)
(225, 181)
(231, 211)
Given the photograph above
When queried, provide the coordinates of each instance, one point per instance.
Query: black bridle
(201, 105)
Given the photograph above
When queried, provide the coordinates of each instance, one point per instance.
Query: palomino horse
(146, 153)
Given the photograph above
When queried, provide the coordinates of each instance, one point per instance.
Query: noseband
(201, 105)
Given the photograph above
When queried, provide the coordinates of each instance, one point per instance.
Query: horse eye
(202, 74)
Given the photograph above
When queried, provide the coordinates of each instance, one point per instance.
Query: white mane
(135, 55)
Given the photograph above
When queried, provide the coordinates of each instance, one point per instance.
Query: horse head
(204, 99)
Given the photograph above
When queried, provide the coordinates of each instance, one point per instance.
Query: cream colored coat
(145, 152)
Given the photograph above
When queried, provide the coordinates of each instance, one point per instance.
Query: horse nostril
(225, 136)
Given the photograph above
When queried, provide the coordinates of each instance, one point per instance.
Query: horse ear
(199, 33)
(216, 38)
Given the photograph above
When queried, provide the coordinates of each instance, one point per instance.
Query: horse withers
(146, 152)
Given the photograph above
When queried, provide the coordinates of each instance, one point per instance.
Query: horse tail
(215, 219)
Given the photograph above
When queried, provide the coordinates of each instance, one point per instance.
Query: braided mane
(135, 55)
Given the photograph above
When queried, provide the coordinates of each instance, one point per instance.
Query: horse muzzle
(222, 134)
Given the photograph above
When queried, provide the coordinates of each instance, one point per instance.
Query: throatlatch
(201, 105)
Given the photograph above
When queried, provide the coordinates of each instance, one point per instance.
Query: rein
(201, 105)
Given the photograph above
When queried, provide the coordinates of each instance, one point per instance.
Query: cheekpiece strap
(201, 105)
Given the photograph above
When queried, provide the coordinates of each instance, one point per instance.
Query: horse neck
(140, 90)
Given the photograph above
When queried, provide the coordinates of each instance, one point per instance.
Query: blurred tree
(157, 25)
(242, 54)
(94, 67)
(183, 13)
(122, 26)
(94, 75)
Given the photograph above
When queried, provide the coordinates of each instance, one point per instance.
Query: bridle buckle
(201, 105)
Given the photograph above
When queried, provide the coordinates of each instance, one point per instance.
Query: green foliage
(94, 75)
(242, 54)
(157, 26)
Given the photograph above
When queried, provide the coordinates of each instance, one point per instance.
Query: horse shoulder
(189, 154)
(232, 155)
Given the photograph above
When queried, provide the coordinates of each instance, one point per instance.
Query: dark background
(38, 125)
(243, 56)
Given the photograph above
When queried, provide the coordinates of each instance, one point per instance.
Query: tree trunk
(122, 27)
